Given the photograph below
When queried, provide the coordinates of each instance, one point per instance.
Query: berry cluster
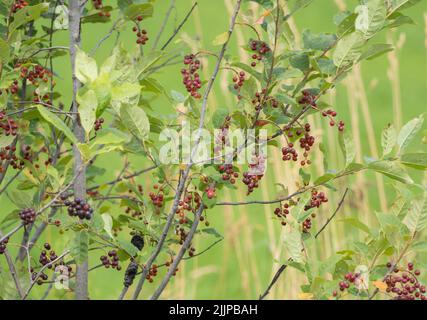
(210, 192)
(8, 126)
(239, 80)
(28, 215)
(308, 99)
(404, 284)
(8, 154)
(180, 231)
(47, 257)
(317, 198)
(13, 88)
(349, 279)
(306, 142)
(152, 273)
(34, 73)
(331, 114)
(260, 49)
(79, 208)
(134, 213)
(141, 34)
(99, 6)
(3, 245)
(42, 277)
(98, 124)
(157, 198)
(111, 260)
(18, 5)
(252, 177)
(289, 153)
(282, 212)
(190, 203)
(190, 77)
(228, 173)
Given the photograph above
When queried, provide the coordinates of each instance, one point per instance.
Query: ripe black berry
(111, 260)
(79, 208)
(28, 216)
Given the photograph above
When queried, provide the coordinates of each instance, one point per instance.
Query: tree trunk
(79, 170)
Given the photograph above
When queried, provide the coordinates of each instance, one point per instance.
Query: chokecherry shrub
(80, 163)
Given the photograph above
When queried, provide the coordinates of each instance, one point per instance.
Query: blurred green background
(389, 89)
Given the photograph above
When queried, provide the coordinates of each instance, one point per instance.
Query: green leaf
(319, 42)
(79, 246)
(415, 160)
(300, 61)
(20, 199)
(88, 104)
(135, 119)
(218, 117)
(211, 231)
(347, 146)
(220, 39)
(128, 247)
(371, 17)
(57, 123)
(125, 94)
(392, 170)
(416, 218)
(388, 139)
(27, 14)
(4, 51)
(323, 179)
(408, 132)
(298, 211)
(108, 224)
(293, 245)
(402, 4)
(357, 224)
(305, 176)
(111, 136)
(6, 140)
(86, 68)
(134, 10)
(375, 51)
(348, 49)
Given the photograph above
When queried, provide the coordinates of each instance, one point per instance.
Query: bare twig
(179, 27)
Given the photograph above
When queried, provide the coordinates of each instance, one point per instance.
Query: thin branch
(101, 41)
(333, 215)
(13, 271)
(126, 177)
(180, 26)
